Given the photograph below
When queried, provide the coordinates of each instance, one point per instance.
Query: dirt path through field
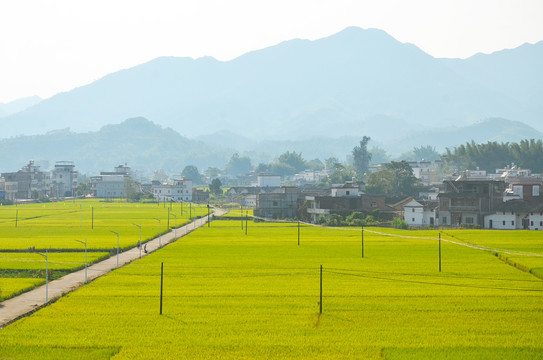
(14, 308)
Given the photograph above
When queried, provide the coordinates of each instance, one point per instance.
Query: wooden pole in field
(16, 217)
(439, 252)
(320, 302)
(362, 241)
(298, 233)
(246, 216)
(92, 218)
(161, 284)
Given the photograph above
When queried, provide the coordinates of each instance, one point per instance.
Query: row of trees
(493, 155)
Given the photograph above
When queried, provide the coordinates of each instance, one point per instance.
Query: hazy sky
(52, 46)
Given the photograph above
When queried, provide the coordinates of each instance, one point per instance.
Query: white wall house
(420, 214)
(180, 190)
(514, 220)
(268, 181)
(110, 187)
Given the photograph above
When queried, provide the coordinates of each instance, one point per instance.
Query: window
(535, 190)
(275, 203)
(413, 219)
(469, 220)
(444, 220)
(348, 192)
(412, 209)
(503, 223)
(541, 223)
(512, 223)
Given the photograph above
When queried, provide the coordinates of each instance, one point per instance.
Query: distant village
(509, 198)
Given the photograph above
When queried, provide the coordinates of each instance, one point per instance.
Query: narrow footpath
(28, 302)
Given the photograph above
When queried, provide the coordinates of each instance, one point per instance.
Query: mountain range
(321, 95)
(147, 147)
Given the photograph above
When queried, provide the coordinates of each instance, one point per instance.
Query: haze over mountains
(354, 83)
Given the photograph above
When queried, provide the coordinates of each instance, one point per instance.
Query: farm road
(14, 308)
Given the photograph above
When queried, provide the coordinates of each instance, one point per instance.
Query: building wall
(502, 221)
(180, 191)
(110, 187)
(414, 216)
(268, 180)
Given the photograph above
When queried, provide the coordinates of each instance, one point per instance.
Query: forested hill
(336, 86)
(138, 142)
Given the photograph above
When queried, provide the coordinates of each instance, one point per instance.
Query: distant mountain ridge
(19, 105)
(147, 147)
(354, 82)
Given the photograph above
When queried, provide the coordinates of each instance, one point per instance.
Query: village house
(280, 203)
(111, 184)
(178, 191)
(467, 201)
(63, 179)
(26, 183)
(418, 213)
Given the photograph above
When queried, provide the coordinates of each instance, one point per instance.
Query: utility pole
(159, 233)
(362, 241)
(139, 243)
(46, 276)
(117, 233)
(85, 243)
(207, 215)
(320, 302)
(161, 284)
(298, 232)
(439, 252)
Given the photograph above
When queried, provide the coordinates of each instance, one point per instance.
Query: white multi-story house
(110, 187)
(268, 180)
(63, 179)
(422, 213)
(179, 191)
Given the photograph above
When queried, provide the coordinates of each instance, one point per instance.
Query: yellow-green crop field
(61, 228)
(229, 295)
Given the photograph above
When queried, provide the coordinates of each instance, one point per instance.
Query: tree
(212, 172)
(379, 155)
(282, 169)
(191, 172)
(262, 168)
(238, 165)
(362, 157)
(315, 164)
(427, 153)
(331, 162)
(294, 160)
(215, 187)
(340, 174)
(395, 179)
(82, 189)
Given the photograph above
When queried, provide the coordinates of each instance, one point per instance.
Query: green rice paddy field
(29, 229)
(229, 295)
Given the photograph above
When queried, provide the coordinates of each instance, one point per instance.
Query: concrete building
(26, 182)
(263, 180)
(63, 179)
(111, 184)
(421, 213)
(281, 203)
(178, 191)
(469, 201)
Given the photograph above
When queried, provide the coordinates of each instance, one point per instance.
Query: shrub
(399, 223)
